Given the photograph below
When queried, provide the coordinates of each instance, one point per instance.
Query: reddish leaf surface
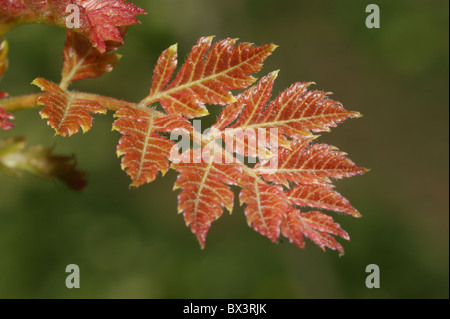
(65, 112)
(322, 197)
(204, 180)
(240, 136)
(13, 8)
(144, 152)
(5, 119)
(316, 226)
(205, 77)
(296, 112)
(164, 69)
(297, 174)
(82, 61)
(266, 205)
(308, 164)
(104, 18)
(99, 19)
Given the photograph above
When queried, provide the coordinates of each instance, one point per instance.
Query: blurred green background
(130, 243)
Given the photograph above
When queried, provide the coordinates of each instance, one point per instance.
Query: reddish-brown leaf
(65, 112)
(206, 173)
(240, 136)
(104, 18)
(266, 205)
(296, 113)
(144, 152)
(82, 61)
(204, 179)
(308, 164)
(297, 110)
(320, 196)
(164, 69)
(99, 19)
(205, 77)
(13, 8)
(249, 120)
(316, 226)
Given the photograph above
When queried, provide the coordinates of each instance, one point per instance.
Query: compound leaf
(205, 182)
(322, 197)
(144, 152)
(65, 111)
(308, 164)
(295, 113)
(266, 205)
(82, 61)
(205, 77)
(98, 19)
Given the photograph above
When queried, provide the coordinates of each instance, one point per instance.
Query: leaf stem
(21, 102)
(29, 101)
(110, 103)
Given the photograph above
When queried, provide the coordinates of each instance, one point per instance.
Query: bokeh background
(130, 243)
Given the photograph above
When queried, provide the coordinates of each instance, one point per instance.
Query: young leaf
(305, 164)
(296, 113)
(104, 17)
(98, 19)
(207, 172)
(39, 161)
(322, 197)
(205, 182)
(316, 226)
(144, 152)
(297, 174)
(266, 205)
(205, 77)
(82, 60)
(65, 112)
(239, 136)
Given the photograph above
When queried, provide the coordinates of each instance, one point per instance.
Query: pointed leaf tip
(318, 227)
(82, 61)
(208, 76)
